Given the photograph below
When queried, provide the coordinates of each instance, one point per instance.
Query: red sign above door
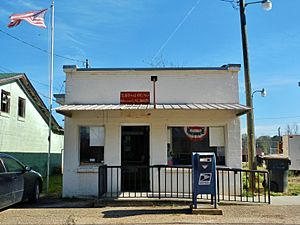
(135, 97)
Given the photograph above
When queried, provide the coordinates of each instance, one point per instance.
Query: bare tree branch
(234, 3)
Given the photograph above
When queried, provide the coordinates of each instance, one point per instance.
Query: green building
(24, 122)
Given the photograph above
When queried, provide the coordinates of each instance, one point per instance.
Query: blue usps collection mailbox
(204, 176)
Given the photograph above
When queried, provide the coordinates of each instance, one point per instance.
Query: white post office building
(142, 117)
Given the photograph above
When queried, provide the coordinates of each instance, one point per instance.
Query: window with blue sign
(182, 141)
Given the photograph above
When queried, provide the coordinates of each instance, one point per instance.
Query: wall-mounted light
(154, 79)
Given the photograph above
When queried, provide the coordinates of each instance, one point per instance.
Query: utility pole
(250, 118)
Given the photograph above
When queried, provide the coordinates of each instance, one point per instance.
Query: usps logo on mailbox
(205, 178)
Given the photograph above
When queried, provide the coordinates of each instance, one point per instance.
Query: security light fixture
(267, 5)
(154, 78)
(263, 92)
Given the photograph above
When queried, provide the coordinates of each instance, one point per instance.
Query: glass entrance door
(135, 158)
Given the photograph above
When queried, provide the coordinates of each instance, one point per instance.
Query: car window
(12, 165)
(2, 170)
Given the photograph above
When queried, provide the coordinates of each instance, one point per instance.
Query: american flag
(35, 18)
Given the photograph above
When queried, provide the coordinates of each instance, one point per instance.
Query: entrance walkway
(285, 200)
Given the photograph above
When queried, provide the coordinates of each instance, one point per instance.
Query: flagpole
(50, 92)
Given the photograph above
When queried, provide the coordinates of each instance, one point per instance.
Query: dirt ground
(232, 214)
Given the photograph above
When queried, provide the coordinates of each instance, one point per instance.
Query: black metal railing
(162, 181)
(243, 185)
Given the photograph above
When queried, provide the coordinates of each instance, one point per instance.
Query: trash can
(278, 167)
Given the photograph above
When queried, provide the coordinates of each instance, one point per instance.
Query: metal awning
(237, 108)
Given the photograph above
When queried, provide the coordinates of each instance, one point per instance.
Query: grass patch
(293, 183)
(293, 186)
(55, 184)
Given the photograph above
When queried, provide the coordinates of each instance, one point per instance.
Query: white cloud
(26, 4)
(277, 81)
(80, 25)
(5, 13)
(93, 13)
(270, 130)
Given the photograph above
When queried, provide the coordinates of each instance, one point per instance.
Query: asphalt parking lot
(81, 212)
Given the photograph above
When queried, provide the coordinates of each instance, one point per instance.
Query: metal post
(158, 170)
(50, 94)
(154, 97)
(154, 79)
(250, 121)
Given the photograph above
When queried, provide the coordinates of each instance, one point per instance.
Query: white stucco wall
(26, 135)
(171, 87)
(82, 180)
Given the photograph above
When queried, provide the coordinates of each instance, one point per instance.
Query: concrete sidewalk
(58, 203)
(232, 214)
(91, 203)
(285, 200)
(283, 210)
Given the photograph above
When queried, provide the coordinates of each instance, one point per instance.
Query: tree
(161, 61)
(263, 143)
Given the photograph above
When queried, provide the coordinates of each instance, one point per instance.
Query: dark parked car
(17, 182)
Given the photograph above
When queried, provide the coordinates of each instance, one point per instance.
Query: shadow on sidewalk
(51, 202)
(135, 212)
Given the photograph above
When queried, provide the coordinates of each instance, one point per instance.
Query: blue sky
(130, 33)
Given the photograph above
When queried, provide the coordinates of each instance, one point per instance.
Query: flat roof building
(141, 117)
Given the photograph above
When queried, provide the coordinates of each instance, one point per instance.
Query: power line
(234, 3)
(41, 83)
(40, 49)
(176, 29)
(5, 70)
(61, 87)
(42, 94)
(277, 118)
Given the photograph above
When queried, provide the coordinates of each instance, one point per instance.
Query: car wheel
(35, 195)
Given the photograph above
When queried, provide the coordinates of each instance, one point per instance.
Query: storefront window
(185, 140)
(91, 144)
